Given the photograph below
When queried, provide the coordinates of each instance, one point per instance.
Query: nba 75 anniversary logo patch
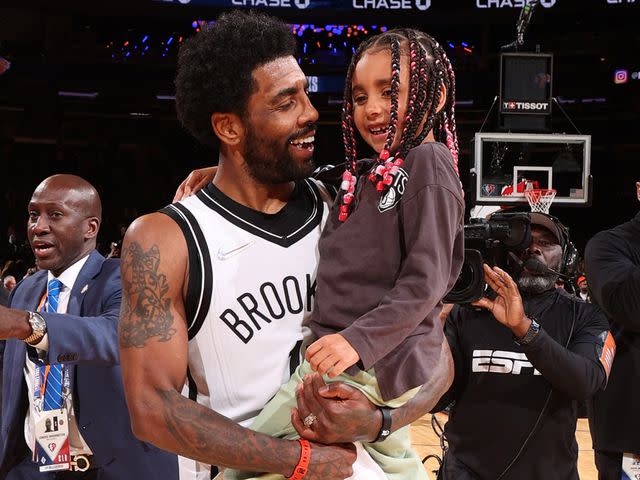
(395, 192)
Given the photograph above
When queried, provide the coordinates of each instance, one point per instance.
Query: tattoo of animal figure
(145, 311)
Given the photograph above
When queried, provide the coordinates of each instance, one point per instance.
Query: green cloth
(394, 455)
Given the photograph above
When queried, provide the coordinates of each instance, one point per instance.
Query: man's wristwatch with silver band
(38, 328)
(534, 328)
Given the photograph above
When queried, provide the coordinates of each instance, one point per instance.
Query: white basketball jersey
(251, 290)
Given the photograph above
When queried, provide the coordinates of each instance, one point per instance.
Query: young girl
(393, 245)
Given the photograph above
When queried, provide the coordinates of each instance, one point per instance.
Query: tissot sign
(399, 5)
(511, 106)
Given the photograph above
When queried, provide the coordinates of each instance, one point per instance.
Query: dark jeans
(609, 465)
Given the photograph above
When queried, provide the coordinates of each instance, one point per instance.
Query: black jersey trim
(193, 388)
(333, 191)
(234, 213)
(200, 286)
(294, 357)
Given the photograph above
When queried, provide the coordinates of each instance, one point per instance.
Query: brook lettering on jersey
(271, 302)
(500, 361)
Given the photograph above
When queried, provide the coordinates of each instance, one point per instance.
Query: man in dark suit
(61, 360)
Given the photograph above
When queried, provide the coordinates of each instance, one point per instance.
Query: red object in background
(4, 65)
(520, 187)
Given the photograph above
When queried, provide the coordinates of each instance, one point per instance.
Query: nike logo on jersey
(500, 361)
(224, 253)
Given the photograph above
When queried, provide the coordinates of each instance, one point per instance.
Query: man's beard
(528, 283)
(270, 162)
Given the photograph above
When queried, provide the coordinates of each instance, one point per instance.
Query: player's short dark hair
(215, 67)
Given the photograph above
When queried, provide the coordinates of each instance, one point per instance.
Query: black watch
(385, 430)
(534, 328)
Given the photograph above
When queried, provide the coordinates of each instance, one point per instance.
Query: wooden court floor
(426, 442)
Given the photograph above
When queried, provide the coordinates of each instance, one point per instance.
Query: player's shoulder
(150, 224)
(155, 231)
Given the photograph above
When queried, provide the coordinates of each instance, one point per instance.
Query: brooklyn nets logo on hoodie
(395, 192)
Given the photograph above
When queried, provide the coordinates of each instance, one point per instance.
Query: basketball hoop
(540, 199)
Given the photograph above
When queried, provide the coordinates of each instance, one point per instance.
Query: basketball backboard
(528, 160)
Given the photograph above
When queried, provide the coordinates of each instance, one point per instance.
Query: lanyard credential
(51, 449)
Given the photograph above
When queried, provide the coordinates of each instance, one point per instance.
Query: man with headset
(523, 358)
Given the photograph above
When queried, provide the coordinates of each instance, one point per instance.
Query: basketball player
(394, 242)
(216, 288)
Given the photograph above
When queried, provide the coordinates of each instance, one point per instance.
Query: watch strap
(385, 429)
(36, 333)
(532, 332)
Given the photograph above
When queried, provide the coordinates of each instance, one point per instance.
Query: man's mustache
(309, 129)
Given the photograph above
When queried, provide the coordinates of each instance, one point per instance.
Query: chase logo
(272, 3)
(511, 3)
(391, 4)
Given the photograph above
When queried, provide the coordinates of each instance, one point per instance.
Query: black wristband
(385, 430)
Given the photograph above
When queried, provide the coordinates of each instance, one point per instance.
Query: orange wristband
(303, 464)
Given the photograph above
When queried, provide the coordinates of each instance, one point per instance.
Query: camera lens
(470, 284)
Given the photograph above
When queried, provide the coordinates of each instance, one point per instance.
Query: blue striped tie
(53, 389)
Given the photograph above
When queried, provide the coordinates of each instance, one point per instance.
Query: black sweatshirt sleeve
(614, 279)
(575, 371)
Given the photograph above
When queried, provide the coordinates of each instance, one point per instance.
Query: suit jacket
(4, 296)
(86, 338)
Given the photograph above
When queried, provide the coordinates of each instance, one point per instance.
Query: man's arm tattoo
(145, 311)
(427, 397)
(190, 426)
(202, 434)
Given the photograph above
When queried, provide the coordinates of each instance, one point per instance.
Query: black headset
(570, 255)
